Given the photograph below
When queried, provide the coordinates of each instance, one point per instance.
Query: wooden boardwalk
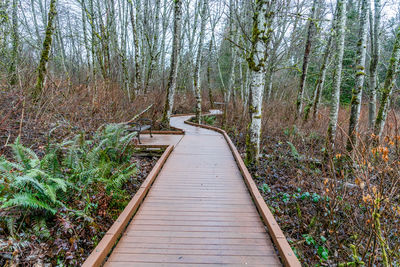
(198, 211)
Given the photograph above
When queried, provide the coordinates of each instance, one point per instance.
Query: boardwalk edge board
(99, 254)
(285, 251)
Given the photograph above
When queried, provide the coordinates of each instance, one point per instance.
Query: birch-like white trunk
(15, 45)
(373, 69)
(387, 90)
(44, 58)
(136, 81)
(261, 36)
(319, 87)
(176, 46)
(306, 58)
(337, 79)
(196, 79)
(360, 77)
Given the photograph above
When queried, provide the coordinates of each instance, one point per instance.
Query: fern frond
(21, 183)
(28, 201)
(24, 155)
(7, 166)
(51, 193)
(59, 184)
(118, 180)
(11, 225)
(40, 227)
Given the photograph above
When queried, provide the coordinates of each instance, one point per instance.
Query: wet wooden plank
(198, 211)
(193, 259)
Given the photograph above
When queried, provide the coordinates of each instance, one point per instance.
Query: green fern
(40, 228)
(24, 155)
(39, 186)
(28, 201)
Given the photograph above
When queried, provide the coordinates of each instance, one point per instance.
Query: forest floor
(325, 209)
(344, 211)
(81, 217)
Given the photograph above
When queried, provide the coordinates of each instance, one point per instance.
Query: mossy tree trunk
(85, 37)
(337, 77)
(261, 37)
(153, 50)
(35, 23)
(375, 53)
(44, 58)
(176, 46)
(306, 58)
(210, 93)
(319, 86)
(137, 80)
(196, 78)
(360, 77)
(15, 45)
(387, 89)
(231, 82)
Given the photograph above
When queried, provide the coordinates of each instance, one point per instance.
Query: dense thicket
(269, 65)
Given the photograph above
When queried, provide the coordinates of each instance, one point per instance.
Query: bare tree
(306, 58)
(169, 102)
(44, 58)
(196, 78)
(261, 36)
(337, 79)
(375, 53)
(15, 44)
(360, 76)
(387, 89)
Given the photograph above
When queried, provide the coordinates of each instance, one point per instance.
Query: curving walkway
(198, 211)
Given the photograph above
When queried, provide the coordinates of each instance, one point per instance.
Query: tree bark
(15, 45)
(387, 89)
(196, 79)
(360, 76)
(339, 37)
(44, 58)
(210, 93)
(176, 46)
(261, 35)
(136, 48)
(373, 69)
(153, 60)
(306, 58)
(319, 87)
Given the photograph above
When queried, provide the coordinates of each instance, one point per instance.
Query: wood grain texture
(285, 251)
(198, 211)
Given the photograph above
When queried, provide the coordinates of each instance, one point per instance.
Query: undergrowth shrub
(341, 212)
(74, 180)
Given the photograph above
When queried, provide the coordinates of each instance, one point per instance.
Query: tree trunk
(165, 20)
(387, 90)
(210, 94)
(306, 58)
(319, 87)
(35, 23)
(339, 37)
(360, 76)
(261, 35)
(231, 82)
(85, 37)
(153, 60)
(196, 80)
(373, 69)
(137, 81)
(169, 102)
(44, 58)
(15, 45)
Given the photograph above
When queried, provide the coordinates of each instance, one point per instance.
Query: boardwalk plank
(198, 211)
